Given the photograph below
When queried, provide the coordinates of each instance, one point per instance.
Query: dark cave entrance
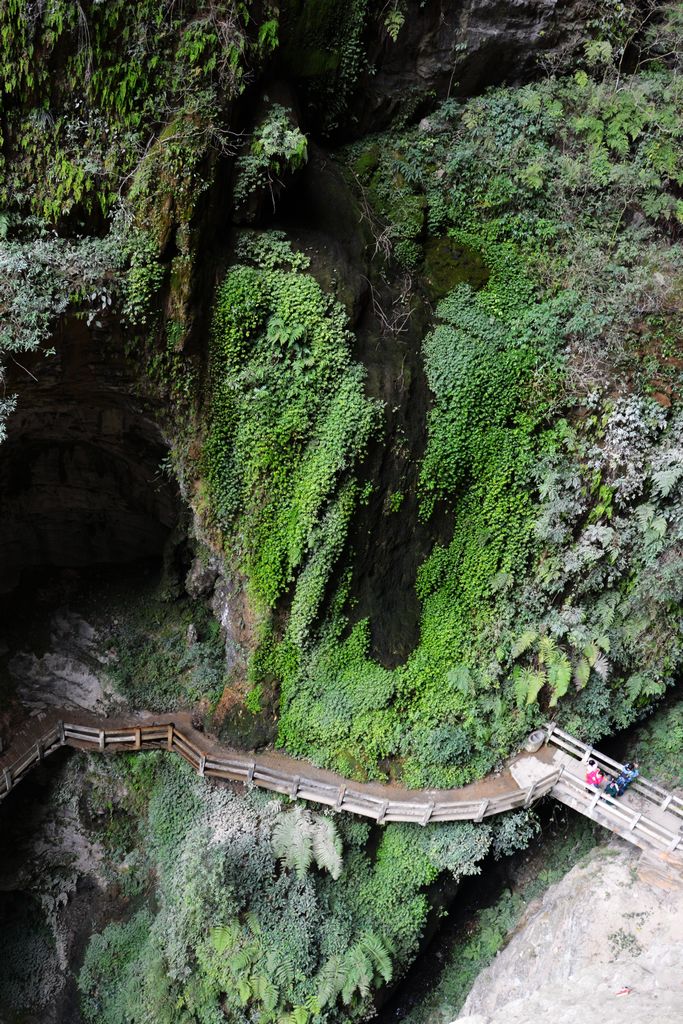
(80, 478)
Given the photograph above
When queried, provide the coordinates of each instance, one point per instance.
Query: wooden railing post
(428, 811)
(482, 810)
(420, 808)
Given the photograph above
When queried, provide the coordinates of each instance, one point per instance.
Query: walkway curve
(649, 817)
(269, 770)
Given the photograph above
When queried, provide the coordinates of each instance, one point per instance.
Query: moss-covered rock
(448, 263)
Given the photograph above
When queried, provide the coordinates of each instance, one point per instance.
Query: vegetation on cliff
(146, 151)
(250, 922)
(553, 441)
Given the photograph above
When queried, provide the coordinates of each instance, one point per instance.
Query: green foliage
(154, 666)
(564, 502)
(659, 748)
(43, 277)
(299, 839)
(394, 19)
(277, 146)
(354, 972)
(486, 432)
(84, 85)
(227, 935)
(322, 49)
(288, 426)
(113, 971)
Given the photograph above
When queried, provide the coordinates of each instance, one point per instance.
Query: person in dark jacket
(629, 773)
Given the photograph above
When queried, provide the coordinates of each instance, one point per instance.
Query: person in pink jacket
(594, 777)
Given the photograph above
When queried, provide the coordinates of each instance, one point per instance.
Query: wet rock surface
(459, 49)
(53, 889)
(80, 482)
(69, 674)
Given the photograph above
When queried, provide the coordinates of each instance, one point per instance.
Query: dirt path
(497, 785)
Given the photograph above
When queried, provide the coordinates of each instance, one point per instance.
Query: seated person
(594, 777)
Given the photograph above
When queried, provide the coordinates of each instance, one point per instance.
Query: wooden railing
(655, 794)
(638, 826)
(420, 807)
(617, 816)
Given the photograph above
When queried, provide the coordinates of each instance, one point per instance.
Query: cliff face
(460, 49)
(602, 931)
(410, 347)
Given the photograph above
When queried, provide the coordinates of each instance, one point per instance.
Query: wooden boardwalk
(647, 815)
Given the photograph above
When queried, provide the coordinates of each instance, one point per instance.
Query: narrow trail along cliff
(647, 816)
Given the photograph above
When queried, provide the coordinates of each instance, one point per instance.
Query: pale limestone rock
(69, 674)
(600, 930)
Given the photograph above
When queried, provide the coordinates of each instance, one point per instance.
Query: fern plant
(553, 666)
(352, 974)
(299, 839)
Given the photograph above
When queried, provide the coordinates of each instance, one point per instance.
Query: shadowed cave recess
(81, 482)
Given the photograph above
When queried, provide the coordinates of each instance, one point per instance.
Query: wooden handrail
(645, 787)
(418, 806)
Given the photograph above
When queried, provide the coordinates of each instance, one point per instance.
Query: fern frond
(666, 479)
(559, 677)
(523, 643)
(327, 847)
(244, 990)
(547, 650)
(591, 653)
(313, 1006)
(359, 974)
(374, 947)
(300, 1015)
(331, 980)
(601, 666)
(224, 937)
(460, 678)
(265, 991)
(252, 922)
(241, 960)
(634, 686)
(292, 840)
(537, 681)
(582, 673)
(644, 515)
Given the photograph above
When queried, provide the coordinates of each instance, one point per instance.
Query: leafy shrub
(558, 592)
(277, 146)
(231, 934)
